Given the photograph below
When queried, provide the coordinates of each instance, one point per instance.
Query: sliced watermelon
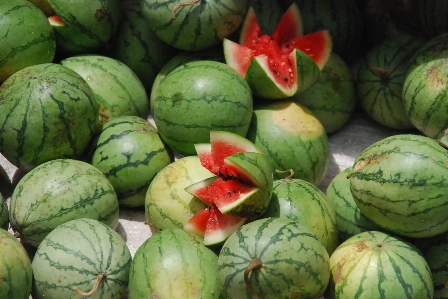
(56, 21)
(280, 65)
(241, 190)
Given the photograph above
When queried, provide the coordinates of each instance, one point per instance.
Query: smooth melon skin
(373, 264)
(197, 97)
(74, 254)
(291, 137)
(167, 204)
(15, 268)
(172, 264)
(400, 183)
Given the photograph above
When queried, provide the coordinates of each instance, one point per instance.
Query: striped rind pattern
(349, 217)
(401, 184)
(130, 152)
(373, 264)
(167, 204)
(58, 191)
(436, 257)
(196, 27)
(27, 37)
(303, 202)
(293, 258)
(47, 111)
(15, 268)
(73, 254)
(171, 264)
(217, 98)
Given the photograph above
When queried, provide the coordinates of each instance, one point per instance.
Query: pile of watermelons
(212, 119)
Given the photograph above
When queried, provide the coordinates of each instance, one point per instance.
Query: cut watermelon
(280, 65)
(56, 21)
(242, 188)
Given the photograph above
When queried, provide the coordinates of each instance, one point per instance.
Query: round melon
(172, 264)
(194, 25)
(48, 112)
(373, 264)
(117, 88)
(425, 87)
(399, 183)
(84, 26)
(197, 97)
(27, 37)
(130, 152)
(137, 47)
(349, 218)
(332, 98)
(273, 258)
(303, 202)
(380, 78)
(81, 258)
(15, 268)
(167, 204)
(58, 191)
(292, 138)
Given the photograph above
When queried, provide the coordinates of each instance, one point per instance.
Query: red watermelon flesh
(279, 48)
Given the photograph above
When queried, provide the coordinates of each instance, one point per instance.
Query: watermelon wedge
(282, 64)
(240, 190)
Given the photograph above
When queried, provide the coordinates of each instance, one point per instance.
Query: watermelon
(15, 268)
(84, 26)
(431, 16)
(58, 191)
(425, 87)
(380, 78)
(399, 183)
(167, 204)
(4, 213)
(172, 264)
(117, 88)
(197, 97)
(27, 40)
(349, 218)
(268, 13)
(130, 152)
(137, 47)
(194, 25)
(374, 264)
(292, 137)
(81, 258)
(303, 202)
(273, 258)
(47, 112)
(342, 18)
(241, 188)
(332, 98)
(281, 64)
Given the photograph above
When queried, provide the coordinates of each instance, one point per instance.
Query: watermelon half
(282, 64)
(240, 189)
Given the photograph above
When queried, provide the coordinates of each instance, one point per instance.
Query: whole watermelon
(373, 264)
(273, 258)
(172, 264)
(27, 37)
(58, 191)
(48, 112)
(401, 184)
(15, 268)
(76, 256)
(194, 25)
(130, 152)
(197, 97)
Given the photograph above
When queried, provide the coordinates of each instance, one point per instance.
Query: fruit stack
(223, 149)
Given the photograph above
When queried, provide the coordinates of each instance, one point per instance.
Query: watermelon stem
(254, 264)
(289, 177)
(100, 277)
(179, 5)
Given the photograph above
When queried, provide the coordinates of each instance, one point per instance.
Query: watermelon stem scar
(179, 5)
(100, 277)
(254, 264)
